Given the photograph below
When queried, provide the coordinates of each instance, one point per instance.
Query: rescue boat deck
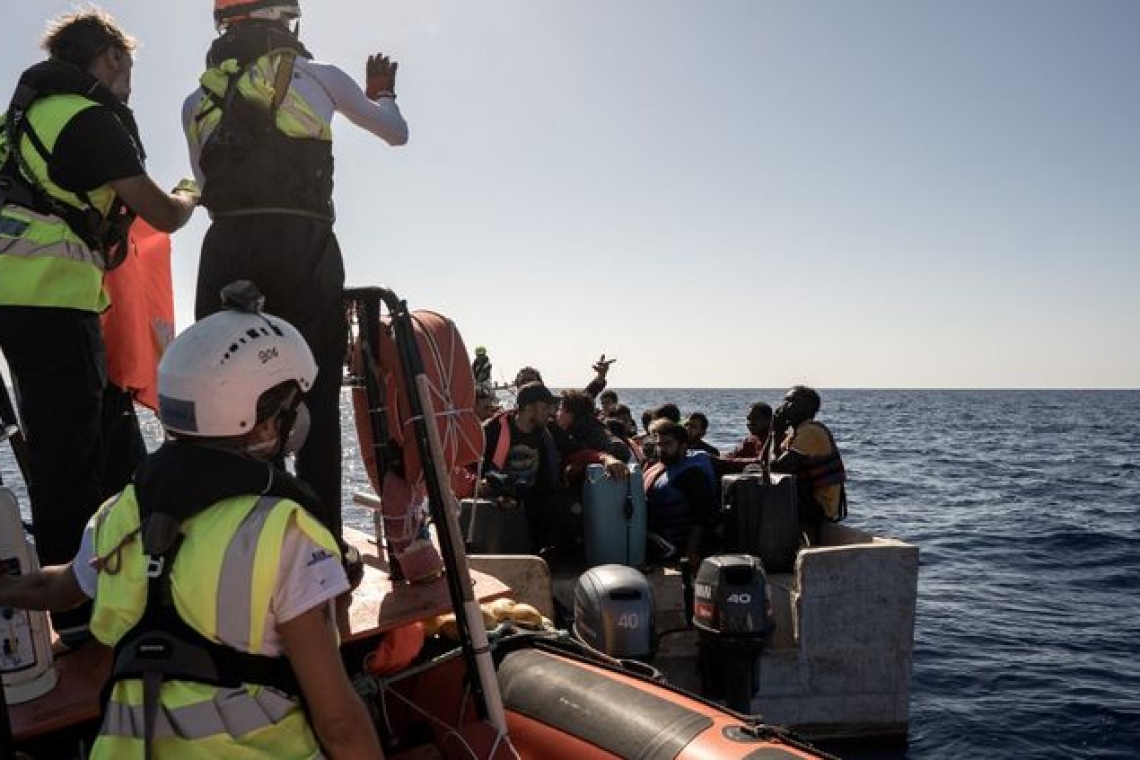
(378, 605)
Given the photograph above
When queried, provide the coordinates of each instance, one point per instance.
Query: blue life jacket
(669, 515)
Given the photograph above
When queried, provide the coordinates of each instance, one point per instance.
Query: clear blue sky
(726, 194)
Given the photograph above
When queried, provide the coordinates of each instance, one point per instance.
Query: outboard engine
(613, 612)
(25, 637)
(732, 613)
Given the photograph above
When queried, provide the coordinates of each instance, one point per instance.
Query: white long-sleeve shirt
(328, 90)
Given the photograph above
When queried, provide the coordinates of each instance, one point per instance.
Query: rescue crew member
(72, 179)
(807, 450)
(481, 368)
(260, 138)
(212, 557)
(681, 494)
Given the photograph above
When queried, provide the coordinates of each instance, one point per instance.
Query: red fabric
(574, 466)
(140, 323)
(750, 448)
(652, 473)
(396, 650)
(463, 482)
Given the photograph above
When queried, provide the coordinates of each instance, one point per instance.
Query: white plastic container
(25, 636)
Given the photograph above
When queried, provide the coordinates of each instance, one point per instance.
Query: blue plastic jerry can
(614, 517)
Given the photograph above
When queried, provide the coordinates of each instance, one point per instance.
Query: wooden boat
(513, 693)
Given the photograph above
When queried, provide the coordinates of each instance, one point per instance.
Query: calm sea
(1024, 506)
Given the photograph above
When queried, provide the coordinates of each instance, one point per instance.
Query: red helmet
(227, 11)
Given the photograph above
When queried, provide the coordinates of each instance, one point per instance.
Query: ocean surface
(1024, 505)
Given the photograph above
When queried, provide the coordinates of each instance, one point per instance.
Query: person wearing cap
(210, 577)
(522, 462)
(72, 180)
(259, 131)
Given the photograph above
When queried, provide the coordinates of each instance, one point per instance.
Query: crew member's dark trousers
(59, 368)
(297, 265)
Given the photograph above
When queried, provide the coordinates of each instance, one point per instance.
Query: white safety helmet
(227, 11)
(211, 377)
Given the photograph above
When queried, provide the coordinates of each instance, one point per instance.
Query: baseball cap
(532, 393)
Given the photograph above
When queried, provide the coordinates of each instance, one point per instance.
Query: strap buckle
(155, 566)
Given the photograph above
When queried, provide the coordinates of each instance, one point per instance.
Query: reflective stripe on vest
(245, 711)
(222, 583)
(42, 261)
(295, 117)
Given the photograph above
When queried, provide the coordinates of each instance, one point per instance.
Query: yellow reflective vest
(222, 584)
(42, 261)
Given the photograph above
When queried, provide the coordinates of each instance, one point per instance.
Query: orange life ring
(452, 389)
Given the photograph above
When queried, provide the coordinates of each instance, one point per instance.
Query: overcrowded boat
(743, 658)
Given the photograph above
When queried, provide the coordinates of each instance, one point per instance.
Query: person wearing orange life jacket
(260, 138)
(72, 177)
(807, 449)
(212, 553)
(522, 462)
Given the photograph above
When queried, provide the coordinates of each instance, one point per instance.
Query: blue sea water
(1024, 506)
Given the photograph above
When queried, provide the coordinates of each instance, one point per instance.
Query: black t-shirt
(92, 150)
(525, 465)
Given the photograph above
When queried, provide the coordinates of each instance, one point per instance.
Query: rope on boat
(384, 688)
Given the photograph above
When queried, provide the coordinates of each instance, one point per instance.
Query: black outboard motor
(732, 613)
(613, 612)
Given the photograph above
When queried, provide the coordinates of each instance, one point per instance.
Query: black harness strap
(105, 235)
(162, 646)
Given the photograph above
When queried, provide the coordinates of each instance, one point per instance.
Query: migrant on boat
(496, 680)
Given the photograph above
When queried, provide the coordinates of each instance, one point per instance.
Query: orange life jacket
(140, 323)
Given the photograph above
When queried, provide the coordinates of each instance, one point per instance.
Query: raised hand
(380, 77)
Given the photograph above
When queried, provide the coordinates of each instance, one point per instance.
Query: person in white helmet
(209, 577)
(259, 130)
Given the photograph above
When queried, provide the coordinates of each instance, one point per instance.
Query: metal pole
(365, 305)
(473, 634)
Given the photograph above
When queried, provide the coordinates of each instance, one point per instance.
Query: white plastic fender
(25, 636)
